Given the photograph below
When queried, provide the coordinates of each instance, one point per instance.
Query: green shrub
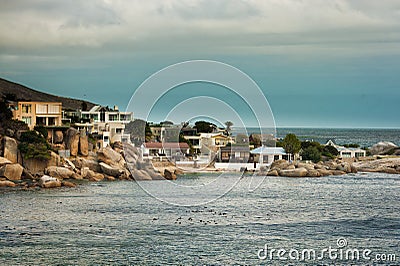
(311, 153)
(34, 145)
(42, 130)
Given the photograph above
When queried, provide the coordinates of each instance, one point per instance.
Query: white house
(108, 124)
(266, 155)
(347, 152)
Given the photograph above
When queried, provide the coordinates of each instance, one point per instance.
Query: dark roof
(166, 145)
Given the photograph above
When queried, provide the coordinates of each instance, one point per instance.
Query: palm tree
(228, 125)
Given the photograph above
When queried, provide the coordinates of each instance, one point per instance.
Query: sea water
(118, 223)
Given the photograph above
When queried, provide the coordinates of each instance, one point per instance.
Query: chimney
(115, 107)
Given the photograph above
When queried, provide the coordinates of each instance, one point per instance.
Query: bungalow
(345, 152)
(266, 155)
(170, 149)
(235, 154)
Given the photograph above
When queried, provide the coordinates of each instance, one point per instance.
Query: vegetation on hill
(9, 126)
(24, 93)
(204, 127)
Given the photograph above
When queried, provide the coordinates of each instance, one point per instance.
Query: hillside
(24, 93)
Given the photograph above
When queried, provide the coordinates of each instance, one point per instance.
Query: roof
(350, 149)
(269, 151)
(236, 149)
(166, 145)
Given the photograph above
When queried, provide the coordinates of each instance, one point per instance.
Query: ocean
(365, 137)
(118, 223)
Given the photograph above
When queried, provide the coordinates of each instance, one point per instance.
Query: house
(174, 150)
(165, 132)
(105, 124)
(38, 113)
(235, 154)
(266, 155)
(347, 152)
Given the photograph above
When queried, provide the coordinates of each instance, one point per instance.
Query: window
(118, 130)
(53, 109)
(27, 120)
(26, 108)
(359, 154)
(41, 108)
(113, 117)
(41, 121)
(52, 121)
(346, 154)
(237, 154)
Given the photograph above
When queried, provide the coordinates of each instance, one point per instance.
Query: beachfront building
(105, 124)
(165, 132)
(266, 155)
(347, 152)
(38, 113)
(235, 154)
(172, 150)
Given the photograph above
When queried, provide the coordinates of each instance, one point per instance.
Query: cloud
(254, 26)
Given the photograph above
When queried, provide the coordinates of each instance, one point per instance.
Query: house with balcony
(38, 113)
(105, 124)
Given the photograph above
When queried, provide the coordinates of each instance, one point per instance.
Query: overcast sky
(319, 63)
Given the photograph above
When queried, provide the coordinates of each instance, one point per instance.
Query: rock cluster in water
(120, 162)
(301, 169)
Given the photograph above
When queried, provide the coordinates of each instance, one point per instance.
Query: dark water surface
(365, 137)
(118, 223)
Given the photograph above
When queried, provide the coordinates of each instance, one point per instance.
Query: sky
(318, 63)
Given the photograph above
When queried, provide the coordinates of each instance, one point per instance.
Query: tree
(311, 153)
(291, 144)
(204, 127)
(228, 128)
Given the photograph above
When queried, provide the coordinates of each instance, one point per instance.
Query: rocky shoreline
(122, 162)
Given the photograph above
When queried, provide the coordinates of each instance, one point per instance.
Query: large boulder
(49, 182)
(298, 172)
(72, 141)
(83, 145)
(86, 162)
(4, 161)
(59, 172)
(345, 167)
(68, 184)
(382, 147)
(11, 171)
(131, 153)
(273, 173)
(308, 166)
(10, 149)
(35, 166)
(58, 137)
(108, 156)
(325, 172)
(7, 183)
(169, 175)
(313, 173)
(110, 170)
(139, 175)
(280, 165)
(91, 175)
